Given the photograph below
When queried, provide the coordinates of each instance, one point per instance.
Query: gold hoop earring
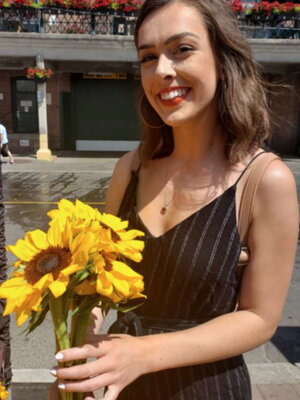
(142, 117)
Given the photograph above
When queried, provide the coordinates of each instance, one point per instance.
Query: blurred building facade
(91, 97)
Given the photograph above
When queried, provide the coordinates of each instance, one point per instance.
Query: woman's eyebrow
(169, 40)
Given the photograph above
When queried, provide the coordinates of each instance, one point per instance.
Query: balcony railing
(56, 20)
(270, 32)
(95, 22)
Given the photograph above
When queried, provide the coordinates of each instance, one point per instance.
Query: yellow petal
(58, 287)
(44, 282)
(113, 222)
(23, 250)
(132, 245)
(22, 315)
(124, 272)
(138, 295)
(70, 270)
(122, 287)
(83, 241)
(38, 239)
(14, 288)
(115, 298)
(104, 286)
(131, 234)
(66, 235)
(54, 235)
(86, 288)
(10, 307)
(130, 253)
(35, 301)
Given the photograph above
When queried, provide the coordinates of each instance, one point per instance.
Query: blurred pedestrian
(4, 144)
(5, 362)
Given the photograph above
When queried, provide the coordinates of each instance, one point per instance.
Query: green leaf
(36, 319)
(125, 309)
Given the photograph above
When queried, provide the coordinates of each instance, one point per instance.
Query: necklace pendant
(163, 210)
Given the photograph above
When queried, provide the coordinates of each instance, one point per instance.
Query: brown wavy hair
(241, 94)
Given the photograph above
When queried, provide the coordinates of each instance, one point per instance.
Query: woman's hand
(53, 393)
(120, 359)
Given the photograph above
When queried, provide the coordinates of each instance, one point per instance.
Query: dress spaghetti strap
(248, 165)
(138, 168)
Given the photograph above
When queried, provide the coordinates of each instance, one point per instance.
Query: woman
(206, 118)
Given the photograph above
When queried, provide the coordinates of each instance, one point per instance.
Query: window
(25, 111)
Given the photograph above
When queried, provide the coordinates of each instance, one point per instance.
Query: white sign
(1, 96)
(49, 99)
(24, 142)
(26, 103)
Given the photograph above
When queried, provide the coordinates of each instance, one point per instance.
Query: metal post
(93, 24)
(43, 152)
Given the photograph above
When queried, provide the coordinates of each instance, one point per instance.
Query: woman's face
(178, 66)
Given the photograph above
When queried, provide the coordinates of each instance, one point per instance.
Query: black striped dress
(190, 278)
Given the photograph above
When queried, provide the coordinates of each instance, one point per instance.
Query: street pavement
(32, 187)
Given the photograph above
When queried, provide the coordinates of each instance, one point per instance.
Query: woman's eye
(147, 58)
(184, 49)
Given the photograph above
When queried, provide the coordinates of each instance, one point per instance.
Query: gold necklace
(166, 204)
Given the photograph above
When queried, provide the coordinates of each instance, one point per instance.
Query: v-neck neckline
(178, 224)
(135, 174)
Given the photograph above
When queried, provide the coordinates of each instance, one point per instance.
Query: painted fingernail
(61, 386)
(59, 356)
(53, 371)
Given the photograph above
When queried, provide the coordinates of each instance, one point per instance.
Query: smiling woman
(243, 113)
(215, 287)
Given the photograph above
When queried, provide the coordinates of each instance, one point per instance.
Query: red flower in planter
(266, 6)
(38, 73)
(237, 6)
(287, 7)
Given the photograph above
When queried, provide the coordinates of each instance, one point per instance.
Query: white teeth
(174, 93)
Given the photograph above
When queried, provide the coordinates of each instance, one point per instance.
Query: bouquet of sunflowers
(3, 392)
(79, 263)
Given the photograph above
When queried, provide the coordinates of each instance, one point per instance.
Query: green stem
(59, 321)
(80, 323)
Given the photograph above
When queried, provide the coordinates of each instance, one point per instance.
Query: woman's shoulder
(277, 180)
(277, 188)
(128, 162)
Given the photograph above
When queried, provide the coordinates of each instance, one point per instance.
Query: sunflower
(46, 261)
(111, 229)
(112, 279)
(79, 214)
(120, 241)
(3, 392)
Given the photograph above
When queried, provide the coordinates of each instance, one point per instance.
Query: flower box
(40, 75)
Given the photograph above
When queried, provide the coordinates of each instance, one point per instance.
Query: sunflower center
(47, 263)
(108, 266)
(52, 260)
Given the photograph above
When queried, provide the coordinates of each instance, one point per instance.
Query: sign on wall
(106, 75)
(26, 104)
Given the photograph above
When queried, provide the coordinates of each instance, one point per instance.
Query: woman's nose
(165, 68)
